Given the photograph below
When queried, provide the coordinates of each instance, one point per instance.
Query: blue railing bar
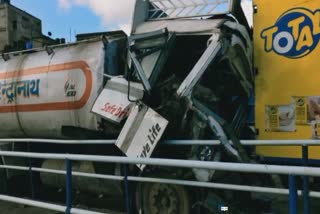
(222, 166)
(170, 142)
(126, 188)
(68, 186)
(31, 180)
(306, 200)
(44, 205)
(30, 174)
(268, 190)
(293, 195)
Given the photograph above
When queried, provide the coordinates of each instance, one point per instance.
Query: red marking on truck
(115, 110)
(82, 65)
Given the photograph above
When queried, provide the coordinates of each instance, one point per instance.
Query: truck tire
(156, 198)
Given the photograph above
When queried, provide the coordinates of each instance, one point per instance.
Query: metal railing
(256, 168)
(292, 171)
(47, 206)
(169, 142)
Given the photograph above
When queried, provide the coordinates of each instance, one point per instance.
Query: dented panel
(141, 132)
(113, 103)
(181, 26)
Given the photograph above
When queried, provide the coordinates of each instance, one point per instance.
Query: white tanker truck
(180, 75)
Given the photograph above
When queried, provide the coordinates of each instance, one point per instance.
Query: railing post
(30, 174)
(31, 180)
(126, 188)
(68, 186)
(293, 195)
(306, 200)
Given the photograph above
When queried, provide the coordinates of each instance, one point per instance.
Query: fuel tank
(42, 91)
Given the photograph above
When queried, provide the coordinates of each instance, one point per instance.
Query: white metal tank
(40, 92)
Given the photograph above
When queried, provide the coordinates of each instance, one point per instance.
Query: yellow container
(287, 58)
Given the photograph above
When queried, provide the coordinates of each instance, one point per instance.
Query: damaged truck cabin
(195, 69)
(189, 76)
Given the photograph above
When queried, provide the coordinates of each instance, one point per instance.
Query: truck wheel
(155, 198)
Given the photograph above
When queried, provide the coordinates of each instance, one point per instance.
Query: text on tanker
(25, 88)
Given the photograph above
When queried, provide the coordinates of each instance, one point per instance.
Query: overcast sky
(65, 18)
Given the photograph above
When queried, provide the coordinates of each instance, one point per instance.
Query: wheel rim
(165, 199)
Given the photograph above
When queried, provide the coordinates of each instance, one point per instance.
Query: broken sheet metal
(141, 73)
(173, 9)
(222, 130)
(182, 26)
(141, 132)
(244, 42)
(151, 15)
(202, 65)
(113, 103)
(149, 53)
(236, 53)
